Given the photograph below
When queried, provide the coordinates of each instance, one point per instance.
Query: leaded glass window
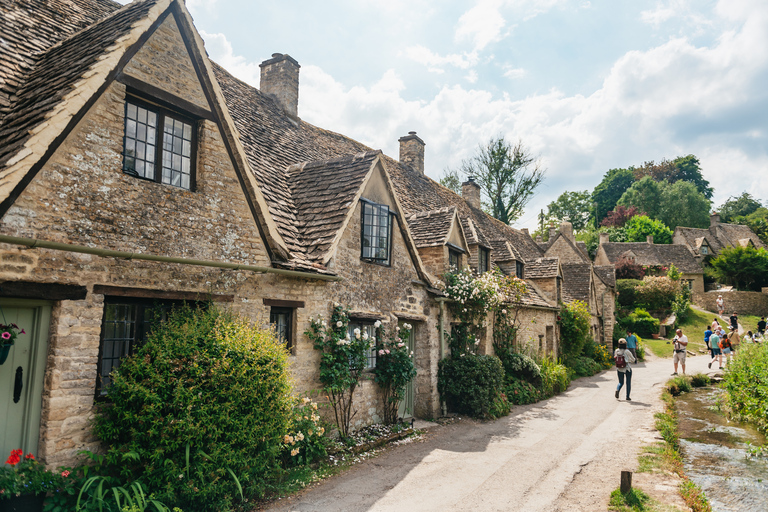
(377, 232)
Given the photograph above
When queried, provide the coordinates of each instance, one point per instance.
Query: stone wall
(744, 303)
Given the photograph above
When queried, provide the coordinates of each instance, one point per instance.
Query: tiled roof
(474, 235)
(576, 280)
(503, 250)
(583, 248)
(542, 268)
(432, 228)
(655, 254)
(606, 273)
(43, 79)
(731, 234)
(532, 298)
(719, 236)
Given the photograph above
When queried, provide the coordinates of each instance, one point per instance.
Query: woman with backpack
(623, 357)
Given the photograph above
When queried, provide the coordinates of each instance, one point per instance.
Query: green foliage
(572, 206)
(627, 290)
(500, 406)
(598, 353)
(342, 361)
(584, 366)
(473, 297)
(738, 206)
(521, 368)
(98, 494)
(207, 388)
(470, 384)
(508, 176)
(23, 474)
(640, 322)
(608, 192)
(673, 273)
(591, 237)
(521, 392)
(645, 195)
(681, 306)
(640, 226)
(684, 205)
(657, 293)
(699, 380)
(304, 443)
(574, 328)
(744, 267)
(633, 501)
(746, 385)
(682, 168)
(678, 384)
(394, 370)
(451, 180)
(757, 222)
(555, 377)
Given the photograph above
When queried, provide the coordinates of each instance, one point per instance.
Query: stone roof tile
(542, 268)
(577, 278)
(655, 254)
(432, 228)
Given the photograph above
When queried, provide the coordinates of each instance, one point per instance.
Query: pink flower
(381, 352)
(65, 473)
(6, 335)
(23, 332)
(387, 351)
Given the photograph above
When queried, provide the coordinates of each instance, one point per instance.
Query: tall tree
(574, 206)
(682, 168)
(640, 226)
(645, 195)
(620, 216)
(451, 179)
(508, 176)
(682, 204)
(740, 206)
(608, 192)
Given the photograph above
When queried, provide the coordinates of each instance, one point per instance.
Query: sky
(586, 86)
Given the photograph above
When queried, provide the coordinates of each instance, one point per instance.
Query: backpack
(620, 361)
(725, 342)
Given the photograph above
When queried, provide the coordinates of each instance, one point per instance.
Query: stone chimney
(566, 229)
(412, 152)
(280, 78)
(552, 233)
(539, 240)
(649, 239)
(604, 238)
(525, 231)
(470, 191)
(714, 219)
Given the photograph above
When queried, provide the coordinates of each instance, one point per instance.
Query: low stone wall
(744, 303)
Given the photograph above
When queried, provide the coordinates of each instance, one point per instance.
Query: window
(158, 145)
(454, 260)
(483, 261)
(704, 249)
(376, 238)
(282, 320)
(519, 269)
(125, 325)
(368, 330)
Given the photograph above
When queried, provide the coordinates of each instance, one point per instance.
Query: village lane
(562, 454)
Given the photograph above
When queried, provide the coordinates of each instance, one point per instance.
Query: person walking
(707, 336)
(680, 345)
(761, 326)
(725, 347)
(734, 321)
(623, 356)
(735, 340)
(632, 344)
(714, 345)
(720, 305)
(715, 325)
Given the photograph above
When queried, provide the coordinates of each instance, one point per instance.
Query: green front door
(21, 376)
(405, 408)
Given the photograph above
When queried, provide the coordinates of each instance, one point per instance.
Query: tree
(619, 216)
(640, 226)
(645, 195)
(573, 206)
(744, 267)
(507, 174)
(591, 237)
(628, 269)
(608, 192)
(682, 168)
(683, 205)
(451, 180)
(740, 206)
(757, 222)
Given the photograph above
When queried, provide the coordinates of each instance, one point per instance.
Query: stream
(716, 454)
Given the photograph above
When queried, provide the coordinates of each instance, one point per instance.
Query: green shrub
(657, 292)
(679, 384)
(521, 392)
(500, 406)
(521, 367)
(627, 291)
(204, 399)
(699, 380)
(746, 385)
(554, 376)
(583, 366)
(304, 442)
(640, 322)
(470, 384)
(599, 353)
(574, 328)
(640, 349)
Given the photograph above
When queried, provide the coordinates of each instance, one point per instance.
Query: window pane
(140, 142)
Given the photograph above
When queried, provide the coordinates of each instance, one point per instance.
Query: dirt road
(563, 454)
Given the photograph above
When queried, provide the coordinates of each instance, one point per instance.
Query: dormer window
(454, 260)
(483, 260)
(158, 145)
(704, 249)
(376, 239)
(519, 269)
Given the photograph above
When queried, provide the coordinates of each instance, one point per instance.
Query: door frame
(32, 393)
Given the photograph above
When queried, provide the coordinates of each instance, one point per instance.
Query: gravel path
(562, 454)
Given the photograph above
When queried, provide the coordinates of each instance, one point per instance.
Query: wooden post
(626, 481)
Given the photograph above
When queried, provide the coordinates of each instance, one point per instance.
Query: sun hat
(622, 341)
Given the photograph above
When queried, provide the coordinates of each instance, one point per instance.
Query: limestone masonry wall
(744, 303)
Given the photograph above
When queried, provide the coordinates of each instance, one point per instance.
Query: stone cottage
(708, 243)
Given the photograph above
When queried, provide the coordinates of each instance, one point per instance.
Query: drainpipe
(440, 326)
(108, 253)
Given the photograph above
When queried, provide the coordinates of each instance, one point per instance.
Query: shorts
(679, 357)
(716, 352)
(726, 350)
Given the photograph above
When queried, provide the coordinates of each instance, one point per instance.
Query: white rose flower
(365, 336)
(377, 324)
(357, 333)
(339, 323)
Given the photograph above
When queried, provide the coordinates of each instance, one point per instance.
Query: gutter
(108, 253)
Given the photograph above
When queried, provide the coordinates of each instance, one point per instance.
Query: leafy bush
(627, 290)
(574, 328)
(304, 443)
(640, 226)
(394, 370)
(521, 367)
(657, 292)
(626, 268)
(521, 392)
(679, 384)
(744, 267)
(583, 366)
(681, 306)
(554, 376)
(470, 384)
(699, 380)
(746, 385)
(204, 399)
(500, 406)
(599, 353)
(640, 322)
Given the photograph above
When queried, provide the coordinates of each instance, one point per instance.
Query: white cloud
(220, 51)
(514, 73)
(481, 25)
(427, 57)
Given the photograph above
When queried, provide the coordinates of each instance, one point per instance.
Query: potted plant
(24, 483)
(8, 335)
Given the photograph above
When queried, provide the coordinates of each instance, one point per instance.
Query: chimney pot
(412, 152)
(566, 228)
(470, 191)
(539, 239)
(604, 238)
(649, 239)
(280, 78)
(525, 230)
(714, 219)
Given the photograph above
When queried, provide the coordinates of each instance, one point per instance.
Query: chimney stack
(714, 219)
(470, 191)
(280, 78)
(649, 239)
(604, 238)
(566, 229)
(525, 231)
(412, 152)
(552, 233)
